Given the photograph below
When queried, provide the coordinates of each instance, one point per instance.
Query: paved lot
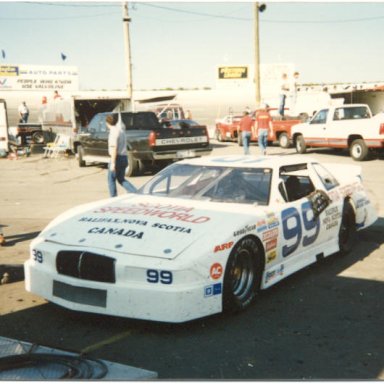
(324, 322)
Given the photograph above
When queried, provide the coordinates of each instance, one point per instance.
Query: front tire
(347, 231)
(300, 145)
(358, 150)
(243, 273)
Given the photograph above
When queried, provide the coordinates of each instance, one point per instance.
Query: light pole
(126, 20)
(257, 8)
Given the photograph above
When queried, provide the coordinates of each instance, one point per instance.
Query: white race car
(202, 236)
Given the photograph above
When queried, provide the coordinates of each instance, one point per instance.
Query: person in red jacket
(245, 129)
(263, 125)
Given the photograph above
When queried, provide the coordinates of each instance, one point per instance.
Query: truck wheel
(240, 139)
(347, 229)
(358, 150)
(80, 153)
(218, 135)
(284, 140)
(133, 166)
(242, 276)
(38, 137)
(300, 144)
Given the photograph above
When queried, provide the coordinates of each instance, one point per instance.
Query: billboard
(233, 73)
(38, 78)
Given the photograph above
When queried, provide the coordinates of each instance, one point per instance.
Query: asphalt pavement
(325, 322)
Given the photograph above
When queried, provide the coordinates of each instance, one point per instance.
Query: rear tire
(300, 145)
(243, 273)
(38, 137)
(240, 139)
(284, 140)
(133, 166)
(347, 231)
(218, 135)
(358, 150)
(80, 153)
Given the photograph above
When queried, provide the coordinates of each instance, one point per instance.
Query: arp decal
(216, 271)
(223, 247)
(213, 290)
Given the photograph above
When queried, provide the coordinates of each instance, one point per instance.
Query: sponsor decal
(216, 271)
(112, 220)
(271, 244)
(362, 202)
(223, 247)
(271, 234)
(331, 219)
(116, 231)
(272, 220)
(246, 229)
(261, 225)
(271, 256)
(212, 290)
(274, 273)
(162, 211)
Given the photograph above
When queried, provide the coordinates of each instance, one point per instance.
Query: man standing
(284, 89)
(293, 93)
(23, 112)
(245, 130)
(263, 125)
(117, 149)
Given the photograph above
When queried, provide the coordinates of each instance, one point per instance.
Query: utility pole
(257, 8)
(126, 20)
(257, 55)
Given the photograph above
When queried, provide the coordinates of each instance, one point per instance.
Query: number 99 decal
(293, 227)
(37, 256)
(162, 277)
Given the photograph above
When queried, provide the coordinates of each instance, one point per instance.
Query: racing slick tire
(358, 150)
(347, 231)
(242, 276)
(80, 153)
(38, 137)
(300, 145)
(284, 140)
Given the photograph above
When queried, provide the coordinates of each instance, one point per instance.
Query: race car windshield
(236, 185)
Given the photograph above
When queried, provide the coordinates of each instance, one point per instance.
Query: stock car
(200, 237)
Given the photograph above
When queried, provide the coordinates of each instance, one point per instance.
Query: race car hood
(148, 225)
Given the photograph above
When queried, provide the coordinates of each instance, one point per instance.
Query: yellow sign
(9, 70)
(233, 73)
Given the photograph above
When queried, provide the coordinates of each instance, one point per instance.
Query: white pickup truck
(349, 126)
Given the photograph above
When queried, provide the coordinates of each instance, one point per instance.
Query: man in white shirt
(23, 112)
(117, 149)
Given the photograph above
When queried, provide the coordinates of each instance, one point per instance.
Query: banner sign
(38, 78)
(233, 73)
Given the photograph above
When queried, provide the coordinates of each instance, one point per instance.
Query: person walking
(263, 125)
(284, 90)
(245, 130)
(23, 112)
(117, 149)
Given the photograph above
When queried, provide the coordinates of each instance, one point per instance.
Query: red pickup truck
(227, 129)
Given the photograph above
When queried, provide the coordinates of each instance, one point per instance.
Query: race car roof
(249, 161)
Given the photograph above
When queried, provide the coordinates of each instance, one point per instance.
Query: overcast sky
(180, 44)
